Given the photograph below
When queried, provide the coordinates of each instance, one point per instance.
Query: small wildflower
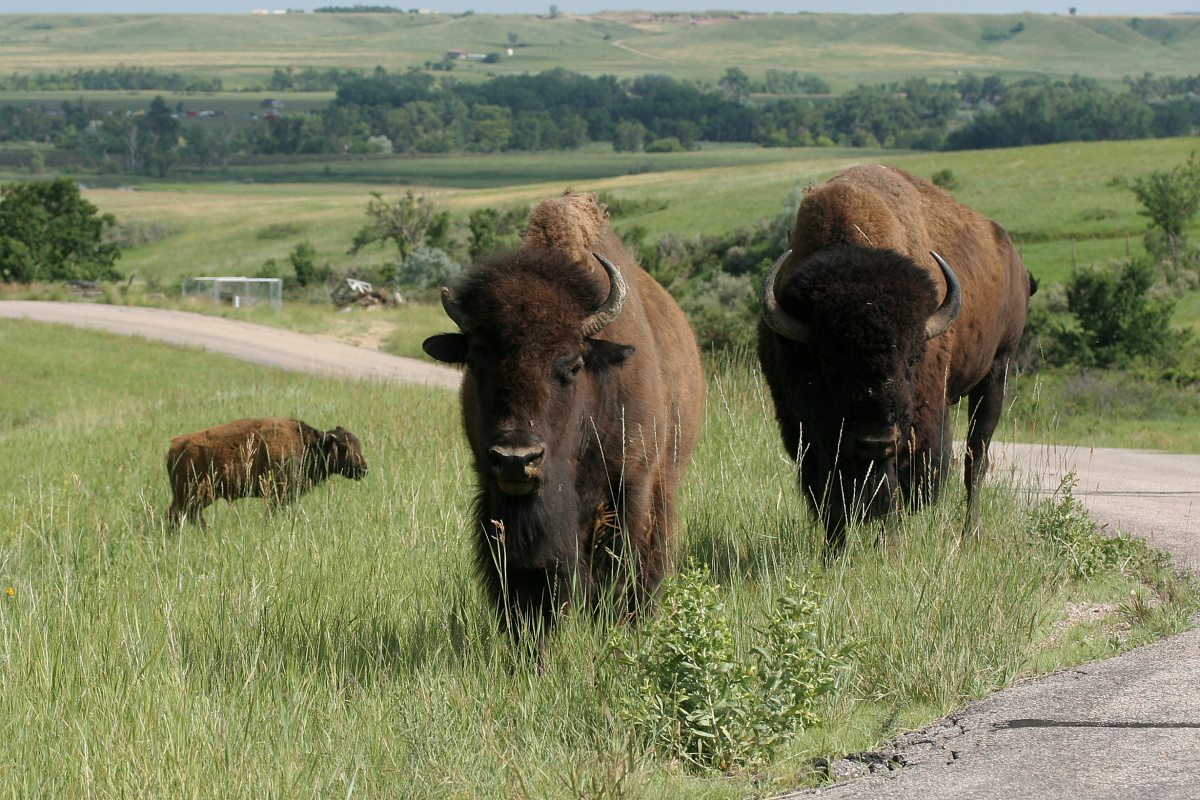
(8, 590)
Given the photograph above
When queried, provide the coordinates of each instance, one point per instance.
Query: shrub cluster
(687, 691)
(1062, 522)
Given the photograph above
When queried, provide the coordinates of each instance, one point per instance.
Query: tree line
(118, 79)
(414, 112)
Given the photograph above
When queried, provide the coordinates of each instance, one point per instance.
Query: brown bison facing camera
(581, 401)
(275, 458)
(892, 303)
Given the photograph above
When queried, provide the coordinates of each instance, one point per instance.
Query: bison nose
(875, 447)
(517, 469)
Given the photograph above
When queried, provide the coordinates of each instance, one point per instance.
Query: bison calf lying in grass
(275, 458)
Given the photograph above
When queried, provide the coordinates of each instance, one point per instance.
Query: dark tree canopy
(49, 232)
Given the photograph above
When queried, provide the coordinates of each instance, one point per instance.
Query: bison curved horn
(455, 312)
(941, 320)
(611, 308)
(776, 318)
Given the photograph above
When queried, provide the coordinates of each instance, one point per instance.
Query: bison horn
(941, 320)
(611, 308)
(455, 312)
(776, 318)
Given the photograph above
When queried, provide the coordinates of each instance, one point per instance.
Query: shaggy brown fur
(861, 275)
(615, 414)
(275, 458)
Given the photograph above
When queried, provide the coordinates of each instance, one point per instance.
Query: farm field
(243, 50)
(342, 647)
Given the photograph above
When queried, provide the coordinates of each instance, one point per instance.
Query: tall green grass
(342, 646)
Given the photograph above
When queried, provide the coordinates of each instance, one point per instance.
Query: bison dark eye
(568, 369)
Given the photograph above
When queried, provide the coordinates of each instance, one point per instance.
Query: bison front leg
(986, 401)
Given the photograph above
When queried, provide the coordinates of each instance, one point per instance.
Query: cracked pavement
(1123, 728)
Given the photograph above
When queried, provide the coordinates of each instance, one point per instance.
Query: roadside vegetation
(342, 646)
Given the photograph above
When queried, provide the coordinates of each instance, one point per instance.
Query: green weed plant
(689, 692)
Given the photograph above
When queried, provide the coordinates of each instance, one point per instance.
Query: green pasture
(341, 647)
(1062, 203)
(844, 49)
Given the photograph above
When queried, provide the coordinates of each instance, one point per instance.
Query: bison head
(343, 453)
(855, 356)
(536, 376)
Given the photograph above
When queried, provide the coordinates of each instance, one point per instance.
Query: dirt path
(259, 344)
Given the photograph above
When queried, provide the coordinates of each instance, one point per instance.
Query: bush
(1119, 322)
(304, 262)
(1062, 522)
(49, 232)
(684, 687)
(669, 144)
(722, 311)
(426, 267)
(946, 179)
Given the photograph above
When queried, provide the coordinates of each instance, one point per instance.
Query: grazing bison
(581, 401)
(275, 458)
(868, 337)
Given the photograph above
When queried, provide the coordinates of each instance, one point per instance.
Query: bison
(581, 401)
(275, 458)
(893, 302)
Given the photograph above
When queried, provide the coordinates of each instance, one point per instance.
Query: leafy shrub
(946, 179)
(49, 232)
(669, 144)
(723, 311)
(684, 687)
(426, 267)
(1062, 521)
(1118, 319)
(304, 262)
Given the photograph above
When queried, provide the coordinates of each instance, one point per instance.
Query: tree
(49, 232)
(404, 220)
(1118, 320)
(736, 84)
(629, 136)
(1171, 199)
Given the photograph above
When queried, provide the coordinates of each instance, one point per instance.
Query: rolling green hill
(844, 49)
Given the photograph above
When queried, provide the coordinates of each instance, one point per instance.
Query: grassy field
(1059, 202)
(844, 49)
(342, 647)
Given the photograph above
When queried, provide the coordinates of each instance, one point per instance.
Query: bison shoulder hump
(571, 223)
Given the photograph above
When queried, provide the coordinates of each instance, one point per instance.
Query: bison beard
(581, 402)
(864, 352)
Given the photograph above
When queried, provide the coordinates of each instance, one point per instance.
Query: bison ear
(601, 353)
(449, 348)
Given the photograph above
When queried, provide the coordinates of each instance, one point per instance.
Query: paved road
(1124, 728)
(260, 344)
